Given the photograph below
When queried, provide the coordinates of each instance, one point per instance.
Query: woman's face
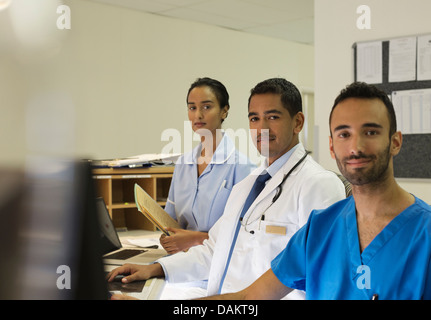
(204, 110)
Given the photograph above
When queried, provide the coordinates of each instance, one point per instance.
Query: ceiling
(291, 20)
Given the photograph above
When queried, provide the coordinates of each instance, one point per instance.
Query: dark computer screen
(11, 199)
(61, 254)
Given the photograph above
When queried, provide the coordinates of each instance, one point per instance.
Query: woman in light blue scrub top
(204, 177)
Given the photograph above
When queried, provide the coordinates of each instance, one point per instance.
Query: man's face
(273, 130)
(360, 141)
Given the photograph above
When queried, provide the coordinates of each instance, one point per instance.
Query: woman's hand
(181, 240)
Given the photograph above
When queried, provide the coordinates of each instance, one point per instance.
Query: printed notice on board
(369, 62)
(424, 57)
(402, 59)
(413, 111)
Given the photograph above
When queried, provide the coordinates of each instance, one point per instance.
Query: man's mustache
(264, 136)
(359, 156)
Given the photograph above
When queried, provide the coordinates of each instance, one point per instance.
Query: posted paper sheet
(369, 62)
(424, 57)
(413, 111)
(402, 59)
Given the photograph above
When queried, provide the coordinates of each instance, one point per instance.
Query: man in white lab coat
(231, 260)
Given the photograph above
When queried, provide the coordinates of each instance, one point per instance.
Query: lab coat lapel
(276, 180)
(241, 191)
(224, 232)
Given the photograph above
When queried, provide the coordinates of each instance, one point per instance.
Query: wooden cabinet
(116, 186)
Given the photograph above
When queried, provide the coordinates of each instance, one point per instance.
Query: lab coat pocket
(219, 204)
(275, 235)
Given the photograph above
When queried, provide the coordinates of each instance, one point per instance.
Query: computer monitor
(61, 256)
(11, 200)
(109, 236)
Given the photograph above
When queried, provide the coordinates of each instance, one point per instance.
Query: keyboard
(124, 254)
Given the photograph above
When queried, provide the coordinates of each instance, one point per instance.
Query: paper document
(402, 59)
(143, 242)
(369, 62)
(151, 209)
(424, 57)
(137, 160)
(413, 110)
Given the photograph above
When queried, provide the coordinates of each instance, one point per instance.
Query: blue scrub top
(324, 259)
(198, 202)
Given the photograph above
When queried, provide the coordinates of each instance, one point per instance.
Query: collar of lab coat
(222, 154)
(278, 177)
(297, 154)
(280, 162)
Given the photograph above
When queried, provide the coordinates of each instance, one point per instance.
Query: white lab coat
(308, 187)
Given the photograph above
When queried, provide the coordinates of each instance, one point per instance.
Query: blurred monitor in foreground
(11, 200)
(60, 255)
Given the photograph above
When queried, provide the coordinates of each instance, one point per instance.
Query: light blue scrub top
(323, 257)
(198, 202)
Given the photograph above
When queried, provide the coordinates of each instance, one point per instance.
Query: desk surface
(144, 234)
(127, 238)
(171, 291)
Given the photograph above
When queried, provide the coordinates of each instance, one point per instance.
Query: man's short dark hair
(362, 90)
(290, 95)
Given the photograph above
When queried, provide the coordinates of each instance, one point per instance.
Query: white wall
(113, 83)
(335, 33)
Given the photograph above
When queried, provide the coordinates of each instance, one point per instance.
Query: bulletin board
(402, 68)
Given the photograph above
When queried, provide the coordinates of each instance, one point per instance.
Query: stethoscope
(280, 186)
(278, 193)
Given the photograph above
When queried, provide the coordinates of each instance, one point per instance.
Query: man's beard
(361, 176)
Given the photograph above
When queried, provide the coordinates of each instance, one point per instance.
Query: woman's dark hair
(216, 87)
(290, 95)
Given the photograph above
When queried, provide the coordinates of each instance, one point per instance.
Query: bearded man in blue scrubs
(375, 244)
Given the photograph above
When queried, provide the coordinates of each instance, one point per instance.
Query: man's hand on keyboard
(133, 272)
